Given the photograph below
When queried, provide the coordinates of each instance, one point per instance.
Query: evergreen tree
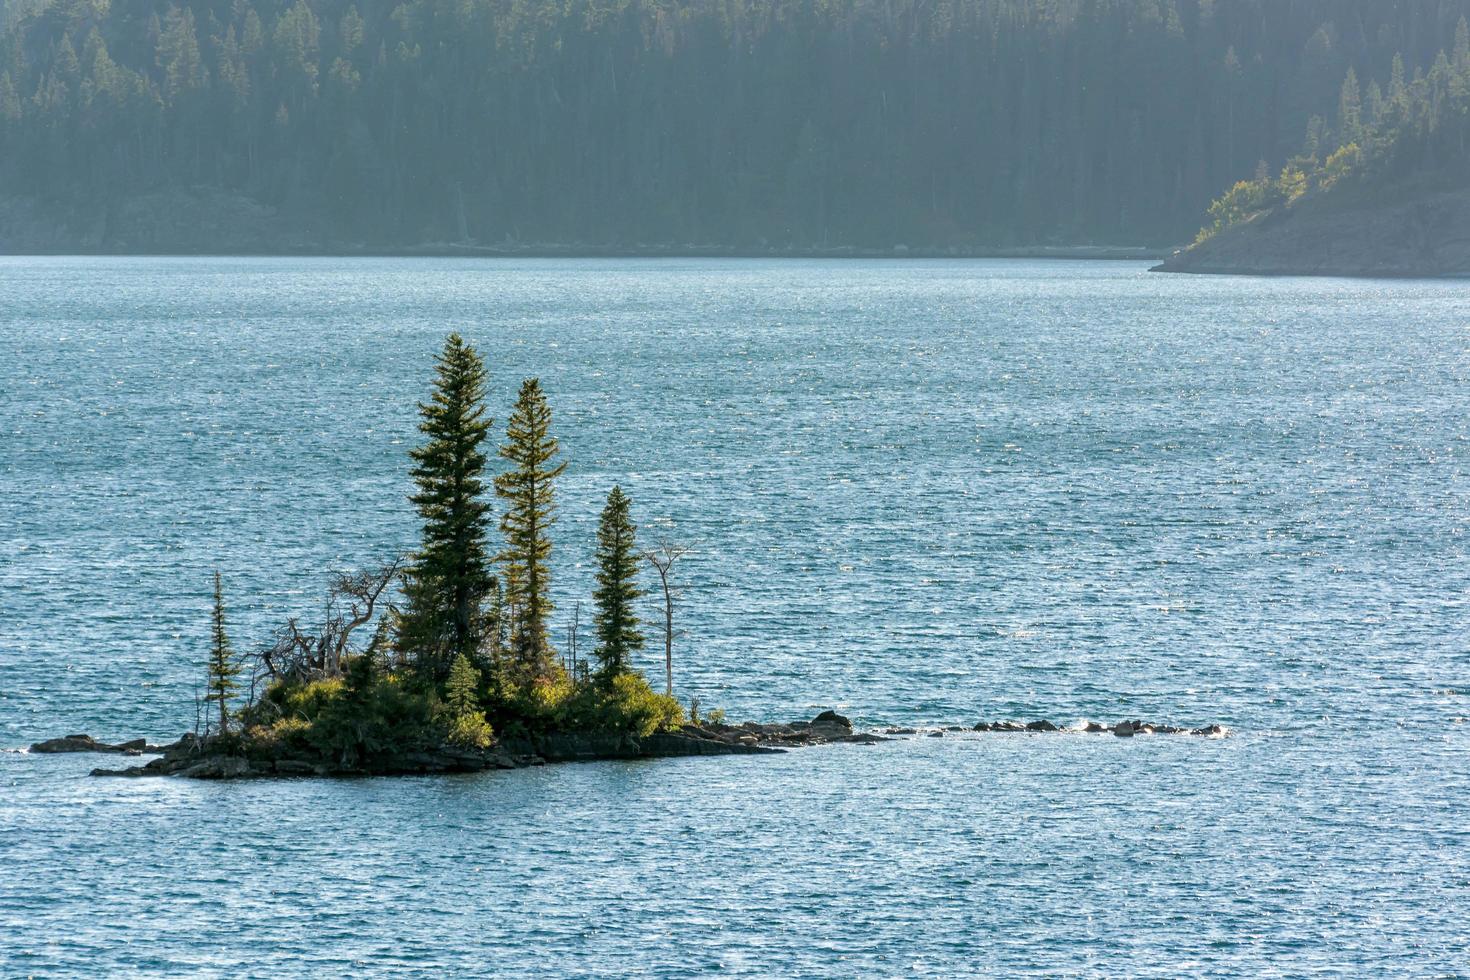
(450, 578)
(1349, 110)
(528, 490)
(460, 689)
(222, 666)
(467, 725)
(617, 588)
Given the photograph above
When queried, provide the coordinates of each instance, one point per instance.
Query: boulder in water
(831, 718)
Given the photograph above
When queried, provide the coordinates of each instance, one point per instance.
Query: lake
(920, 492)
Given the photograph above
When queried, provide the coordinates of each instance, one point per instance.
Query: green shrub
(1245, 199)
(1344, 161)
(349, 717)
(628, 706)
(471, 731)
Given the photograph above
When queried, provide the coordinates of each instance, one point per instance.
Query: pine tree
(459, 690)
(1398, 90)
(617, 588)
(1349, 110)
(528, 490)
(467, 724)
(222, 666)
(178, 55)
(450, 578)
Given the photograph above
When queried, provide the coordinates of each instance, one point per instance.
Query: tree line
(780, 123)
(460, 645)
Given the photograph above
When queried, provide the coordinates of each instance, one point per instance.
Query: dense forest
(746, 123)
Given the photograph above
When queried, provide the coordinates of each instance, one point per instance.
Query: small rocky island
(195, 757)
(441, 661)
(214, 758)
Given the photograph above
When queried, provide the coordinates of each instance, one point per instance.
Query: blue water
(920, 492)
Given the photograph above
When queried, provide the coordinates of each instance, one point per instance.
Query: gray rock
(218, 767)
(936, 734)
(831, 718)
(74, 743)
(1041, 726)
(1094, 727)
(1123, 729)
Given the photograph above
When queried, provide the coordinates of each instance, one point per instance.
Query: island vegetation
(449, 647)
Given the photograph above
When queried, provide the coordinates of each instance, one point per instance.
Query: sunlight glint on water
(922, 492)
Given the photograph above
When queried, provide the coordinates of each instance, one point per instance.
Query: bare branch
(662, 556)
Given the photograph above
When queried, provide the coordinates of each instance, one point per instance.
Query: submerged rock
(1127, 728)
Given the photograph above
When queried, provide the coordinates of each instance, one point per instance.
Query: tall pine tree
(617, 590)
(223, 669)
(528, 490)
(450, 578)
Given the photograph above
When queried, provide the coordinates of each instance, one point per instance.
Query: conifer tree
(617, 590)
(467, 724)
(222, 666)
(528, 490)
(450, 577)
(1350, 110)
(459, 690)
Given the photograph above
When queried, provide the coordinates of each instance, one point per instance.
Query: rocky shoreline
(213, 758)
(1412, 235)
(193, 757)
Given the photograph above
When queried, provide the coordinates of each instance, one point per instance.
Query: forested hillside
(739, 123)
(1382, 187)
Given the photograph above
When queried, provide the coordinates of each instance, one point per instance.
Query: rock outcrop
(86, 743)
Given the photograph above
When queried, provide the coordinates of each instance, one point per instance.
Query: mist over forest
(784, 123)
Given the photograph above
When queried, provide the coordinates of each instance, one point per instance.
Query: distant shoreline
(447, 250)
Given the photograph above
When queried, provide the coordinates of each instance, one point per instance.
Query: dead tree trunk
(662, 557)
